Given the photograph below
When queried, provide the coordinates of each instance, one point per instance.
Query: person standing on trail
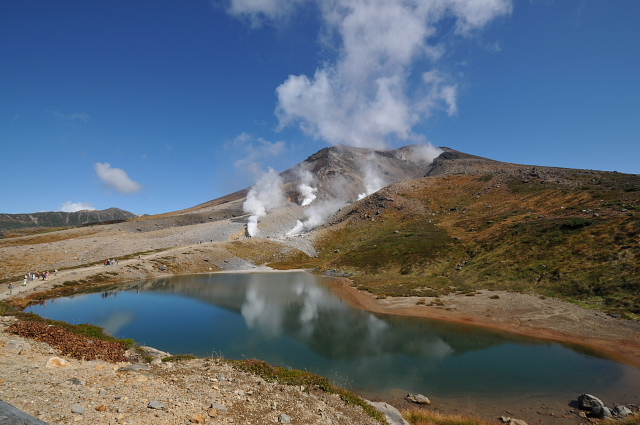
(24, 282)
(10, 289)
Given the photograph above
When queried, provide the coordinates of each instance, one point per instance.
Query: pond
(295, 320)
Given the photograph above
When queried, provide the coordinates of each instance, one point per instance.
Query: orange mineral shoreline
(522, 314)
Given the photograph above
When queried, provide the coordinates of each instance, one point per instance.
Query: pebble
(156, 405)
(78, 409)
(284, 419)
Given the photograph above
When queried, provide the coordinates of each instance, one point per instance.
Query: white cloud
(365, 96)
(72, 117)
(75, 206)
(116, 178)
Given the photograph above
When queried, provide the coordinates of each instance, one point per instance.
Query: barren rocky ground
(68, 391)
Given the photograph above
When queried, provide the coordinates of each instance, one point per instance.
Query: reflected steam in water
(294, 320)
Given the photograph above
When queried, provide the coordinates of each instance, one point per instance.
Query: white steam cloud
(425, 153)
(317, 215)
(116, 178)
(76, 206)
(373, 181)
(255, 150)
(369, 93)
(307, 191)
(264, 196)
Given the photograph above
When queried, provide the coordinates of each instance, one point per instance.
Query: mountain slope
(475, 223)
(62, 219)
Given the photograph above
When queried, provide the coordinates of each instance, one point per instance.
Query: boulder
(16, 347)
(56, 362)
(621, 411)
(417, 398)
(512, 421)
(393, 416)
(588, 402)
(601, 412)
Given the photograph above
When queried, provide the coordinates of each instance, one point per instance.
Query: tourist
(10, 289)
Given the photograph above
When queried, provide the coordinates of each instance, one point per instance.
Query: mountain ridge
(61, 218)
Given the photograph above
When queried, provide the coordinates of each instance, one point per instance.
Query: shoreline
(617, 339)
(528, 315)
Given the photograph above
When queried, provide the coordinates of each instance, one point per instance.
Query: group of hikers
(30, 276)
(110, 262)
(34, 276)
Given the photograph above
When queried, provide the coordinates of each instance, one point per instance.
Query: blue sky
(156, 106)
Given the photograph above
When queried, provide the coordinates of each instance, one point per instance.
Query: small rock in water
(417, 398)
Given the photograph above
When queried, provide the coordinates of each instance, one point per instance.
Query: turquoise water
(294, 320)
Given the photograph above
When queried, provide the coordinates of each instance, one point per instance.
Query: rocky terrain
(63, 390)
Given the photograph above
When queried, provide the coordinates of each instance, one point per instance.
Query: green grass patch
(180, 358)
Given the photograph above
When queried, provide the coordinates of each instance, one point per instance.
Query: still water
(294, 320)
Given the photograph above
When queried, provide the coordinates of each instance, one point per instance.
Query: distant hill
(62, 219)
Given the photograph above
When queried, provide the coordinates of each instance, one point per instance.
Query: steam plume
(317, 215)
(264, 196)
(373, 181)
(307, 191)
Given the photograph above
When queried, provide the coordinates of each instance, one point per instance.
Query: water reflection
(292, 319)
